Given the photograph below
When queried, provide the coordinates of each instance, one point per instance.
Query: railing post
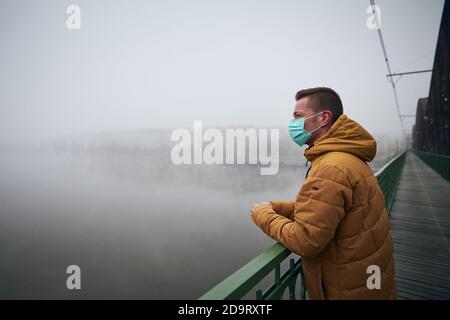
(292, 283)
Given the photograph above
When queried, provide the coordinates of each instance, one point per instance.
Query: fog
(86, 115)
(168, 63)
(138, 228)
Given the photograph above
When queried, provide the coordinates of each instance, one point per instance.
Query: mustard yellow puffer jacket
(338, 223)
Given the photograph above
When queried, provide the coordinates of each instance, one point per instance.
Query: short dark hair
(323, 98)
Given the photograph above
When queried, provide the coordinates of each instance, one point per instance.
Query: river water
(138, 228)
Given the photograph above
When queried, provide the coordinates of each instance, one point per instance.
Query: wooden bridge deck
(420, 225)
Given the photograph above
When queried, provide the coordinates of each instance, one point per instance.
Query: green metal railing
(388, 177)
(240, 283)
(438, 162)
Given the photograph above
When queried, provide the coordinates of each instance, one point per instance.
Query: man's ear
(328, 116)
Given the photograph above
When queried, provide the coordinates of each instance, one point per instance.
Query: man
(338, 223)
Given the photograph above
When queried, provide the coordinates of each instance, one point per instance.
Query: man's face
(303, 109)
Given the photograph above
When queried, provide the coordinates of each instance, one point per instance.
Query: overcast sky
(138, 64)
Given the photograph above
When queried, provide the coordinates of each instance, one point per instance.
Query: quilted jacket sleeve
(284, 208)
(320, 205)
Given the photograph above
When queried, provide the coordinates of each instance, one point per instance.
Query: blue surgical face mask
(297, 130)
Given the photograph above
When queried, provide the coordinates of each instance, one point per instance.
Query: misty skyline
(166, 64)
